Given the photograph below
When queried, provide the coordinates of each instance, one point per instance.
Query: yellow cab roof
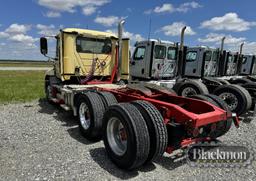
(89, 32)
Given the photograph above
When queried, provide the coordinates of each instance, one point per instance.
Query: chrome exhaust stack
(120, 46)
(241, 49)
(222, 44)
(182, 38)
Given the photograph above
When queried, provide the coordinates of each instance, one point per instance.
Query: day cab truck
(137, 122)
(189, 71)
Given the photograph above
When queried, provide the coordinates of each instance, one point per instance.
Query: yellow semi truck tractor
(137, 123)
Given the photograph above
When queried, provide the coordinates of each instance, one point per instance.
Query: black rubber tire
(157, 130)
(96, 110)
(204, 98)
(238, 93)
(108, 99)
(247, 95)
(225, 124)
(224, 82)
(198, 86)
(138, 142)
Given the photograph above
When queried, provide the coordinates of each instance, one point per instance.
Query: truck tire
(126, 136)
(247, 95)
(90, 113)
(189, 88)
(223, 126)
(234, 96)
(224, 82)
(108, 99)
(157, 130)
(204, 98)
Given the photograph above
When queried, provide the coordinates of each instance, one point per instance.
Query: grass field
(24, 64)
(21, 86)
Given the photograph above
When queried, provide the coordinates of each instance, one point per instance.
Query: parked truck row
(129, 101)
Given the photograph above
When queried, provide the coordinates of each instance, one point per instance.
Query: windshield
(93, 45)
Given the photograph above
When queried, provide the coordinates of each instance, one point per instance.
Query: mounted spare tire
(190, 88)
(236, 97)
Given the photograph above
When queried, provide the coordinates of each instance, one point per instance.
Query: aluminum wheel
(230, 99)
(84, 116)
(188, 91)
(116, 136)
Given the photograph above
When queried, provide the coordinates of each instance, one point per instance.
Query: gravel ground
(39, 141)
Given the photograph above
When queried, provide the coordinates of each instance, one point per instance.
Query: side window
(191, 56)
(208, 56)
(172, 53)
(139, 53)
(160, 52)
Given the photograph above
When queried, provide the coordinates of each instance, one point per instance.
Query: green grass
(24, 64)
(21, 86)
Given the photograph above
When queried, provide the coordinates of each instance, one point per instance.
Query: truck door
(247, 65)
(159, 57)
(253, 68)
(210, 63)
(169, 67)
(141, 60)
(193, 62)
(231, 65)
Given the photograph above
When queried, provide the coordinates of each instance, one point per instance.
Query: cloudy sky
(23, 22)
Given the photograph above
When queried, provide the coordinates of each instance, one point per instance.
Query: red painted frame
(192, 113)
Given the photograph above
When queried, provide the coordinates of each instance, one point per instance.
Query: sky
(23, 22)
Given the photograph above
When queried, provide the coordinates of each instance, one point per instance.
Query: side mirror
(43, 45)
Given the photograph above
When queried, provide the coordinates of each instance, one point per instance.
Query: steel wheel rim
(84, 116)
(188, 91)
(230, 99)
(116, 136)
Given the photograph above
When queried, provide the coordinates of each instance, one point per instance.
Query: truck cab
(81, 53)
(154, 59)
(248, 66)
(229, 64)
(201, 62)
